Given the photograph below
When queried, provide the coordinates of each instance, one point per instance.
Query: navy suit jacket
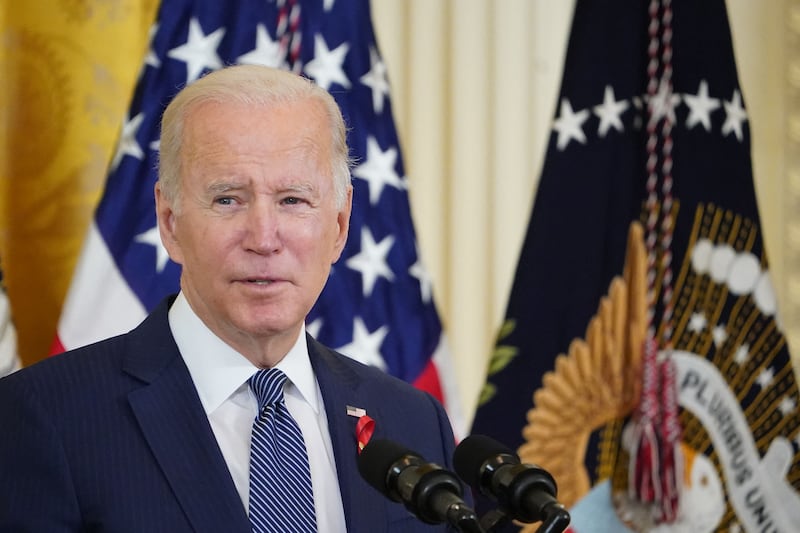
(113, 437)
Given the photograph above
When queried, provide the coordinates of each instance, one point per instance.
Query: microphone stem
(494, 518)
(464, 519)
(556, 519)
(471, 527)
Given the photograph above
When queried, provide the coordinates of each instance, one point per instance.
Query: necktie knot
(267, 385)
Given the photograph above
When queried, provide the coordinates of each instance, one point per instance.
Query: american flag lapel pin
(365, 426)
(357, 412)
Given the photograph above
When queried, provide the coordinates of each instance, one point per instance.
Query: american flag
(9, 359)
(378, 305)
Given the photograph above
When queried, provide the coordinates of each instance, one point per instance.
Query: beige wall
(474, 84)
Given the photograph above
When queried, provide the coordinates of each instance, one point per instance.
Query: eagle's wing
(599, 380)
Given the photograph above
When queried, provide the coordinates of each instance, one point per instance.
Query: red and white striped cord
(670, 430)
(288, 32)
(644, 455)
(654, 459)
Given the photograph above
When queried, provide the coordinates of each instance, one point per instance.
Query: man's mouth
(260, 281)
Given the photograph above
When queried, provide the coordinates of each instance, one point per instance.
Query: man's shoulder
(99, 354)
(365, 374)
(96, 361)
(393, 397)
(72, 367)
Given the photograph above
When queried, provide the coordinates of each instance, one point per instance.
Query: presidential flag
(641, 360)
(377, 306)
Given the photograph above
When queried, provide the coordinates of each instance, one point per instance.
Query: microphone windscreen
(376, 459)
(472, 452)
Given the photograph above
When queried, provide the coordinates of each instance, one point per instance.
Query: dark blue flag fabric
(697, 431)
(377, 306)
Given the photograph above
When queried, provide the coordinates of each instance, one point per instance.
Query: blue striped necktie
(281, 499)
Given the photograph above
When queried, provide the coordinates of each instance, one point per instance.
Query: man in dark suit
(150, 431)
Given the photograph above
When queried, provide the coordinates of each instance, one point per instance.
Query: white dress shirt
(220, 376)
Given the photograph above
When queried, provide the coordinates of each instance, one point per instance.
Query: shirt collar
(219, 371)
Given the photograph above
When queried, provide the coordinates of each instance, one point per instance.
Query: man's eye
(225, 200)
(292, 200)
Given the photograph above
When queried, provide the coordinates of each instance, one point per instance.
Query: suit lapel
(176, 428)
(364, 507)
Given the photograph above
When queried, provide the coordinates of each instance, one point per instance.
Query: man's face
(257, 229)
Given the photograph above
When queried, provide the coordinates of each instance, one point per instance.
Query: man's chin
(260, 327)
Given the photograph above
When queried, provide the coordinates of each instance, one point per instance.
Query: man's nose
(263, 233)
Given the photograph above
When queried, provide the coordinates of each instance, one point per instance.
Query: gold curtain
(68, 68)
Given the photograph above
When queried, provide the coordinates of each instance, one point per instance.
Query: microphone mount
(524, 492)
(428, 491)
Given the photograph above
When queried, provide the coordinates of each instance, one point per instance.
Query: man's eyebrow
(298, 187)
(224, 186)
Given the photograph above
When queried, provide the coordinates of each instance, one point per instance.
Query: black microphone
(430, 492)
(524, 492)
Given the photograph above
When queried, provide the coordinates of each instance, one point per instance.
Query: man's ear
(343, 223)
(165, 214)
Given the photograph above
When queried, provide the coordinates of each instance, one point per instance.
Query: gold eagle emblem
(597, 381)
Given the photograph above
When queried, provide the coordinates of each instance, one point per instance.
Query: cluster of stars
(570, 124)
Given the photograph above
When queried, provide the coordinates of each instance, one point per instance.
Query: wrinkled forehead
(276, 141)
(296, 125)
